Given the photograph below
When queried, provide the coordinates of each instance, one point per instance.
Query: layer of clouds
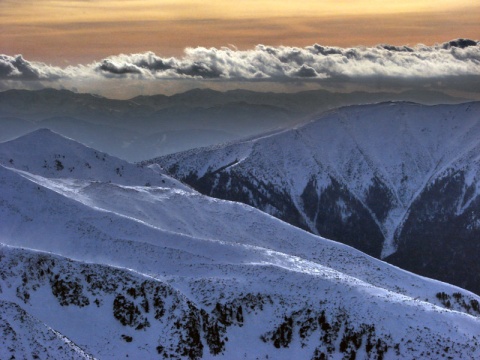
(324, 64)
(457, 57)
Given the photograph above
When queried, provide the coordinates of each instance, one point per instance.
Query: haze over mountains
(103, 258)
(160, 270)
(398, 181)
(149, 126)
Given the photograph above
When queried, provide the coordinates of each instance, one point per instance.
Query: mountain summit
(396, 180)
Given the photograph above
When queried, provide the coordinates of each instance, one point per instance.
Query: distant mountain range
(100, 258)
(149, 126)
(397, 180)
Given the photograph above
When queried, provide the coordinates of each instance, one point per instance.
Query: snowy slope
(162, 270)
(352, 175)
(24, 336)
(46, 153)
(117, 313)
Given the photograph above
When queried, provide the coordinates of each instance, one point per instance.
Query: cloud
(109, 67)
(305, 71)
(459, 43)
(456, 57)
(453, 63)
(17, 68)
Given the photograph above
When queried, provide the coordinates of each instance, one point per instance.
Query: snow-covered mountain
(48, 154)
(115, 268)
(149, 126)
(398, 181)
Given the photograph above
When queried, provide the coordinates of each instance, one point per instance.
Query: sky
(95, 45)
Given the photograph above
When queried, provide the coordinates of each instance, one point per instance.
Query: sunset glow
(79, 31)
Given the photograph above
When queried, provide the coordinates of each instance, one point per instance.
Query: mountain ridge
(148, 126)
(365, 165)
(150, 271)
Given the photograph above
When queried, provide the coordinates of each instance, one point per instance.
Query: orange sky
(78, 31)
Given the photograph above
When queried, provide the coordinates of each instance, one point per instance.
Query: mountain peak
(48, 154)
(43, 133)
(40, 141)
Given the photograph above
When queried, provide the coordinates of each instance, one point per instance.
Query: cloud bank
(457, 57)
(454, 59)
